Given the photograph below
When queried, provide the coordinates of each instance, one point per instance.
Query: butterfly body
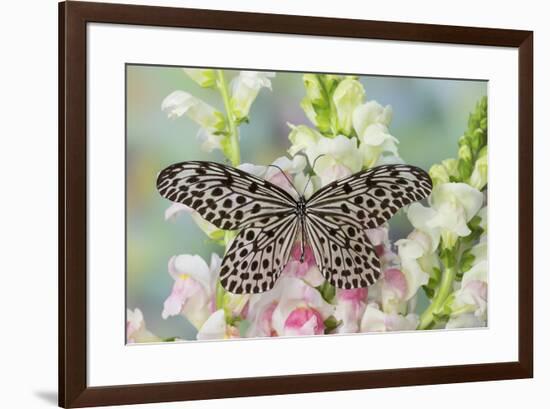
(333, 221)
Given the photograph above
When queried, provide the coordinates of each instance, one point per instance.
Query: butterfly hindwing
(342, 250)
(227, 197)
(258, 254)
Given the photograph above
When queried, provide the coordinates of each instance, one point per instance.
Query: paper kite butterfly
(333, 221)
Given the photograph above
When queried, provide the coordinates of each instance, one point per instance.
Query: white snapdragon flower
(470, 300)
(478, 178)
(136, 330)
(292, 172)
(303, 138)
(180, 103)
(375, 320)
(371, 121)
(347, 96)
(334, 158)
(245, 88)
(216, 327)
(417, 260)
(453, 205)
(204, 77)
(210, 140)
(338, 157)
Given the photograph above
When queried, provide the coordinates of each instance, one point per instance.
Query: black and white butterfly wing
(343, 253)
(232, 199)
(338, 215)
(258, 255)
(227, 197)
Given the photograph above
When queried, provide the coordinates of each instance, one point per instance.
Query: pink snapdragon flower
(193, 292)
(301, 309)
(350, 308)
(379, 238)
(304, 321)
(260, 312)
(291, 308)
(393, 290)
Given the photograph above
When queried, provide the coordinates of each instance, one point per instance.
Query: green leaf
(170, 339)
(433, 282)
(448, 257)
(331, 323)
(466, 263)
(328, 291)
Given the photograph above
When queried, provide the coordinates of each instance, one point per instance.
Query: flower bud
(314, 89)
(478, 179)
(316, 104)
(439, 174)
(451, 166)
(465, 153)
(348, 95)
(465, 164)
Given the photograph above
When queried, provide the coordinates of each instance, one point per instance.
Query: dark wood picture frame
(73, 18)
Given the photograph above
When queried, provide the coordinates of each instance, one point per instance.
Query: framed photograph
(256, 204)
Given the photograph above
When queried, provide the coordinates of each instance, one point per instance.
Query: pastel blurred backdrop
(429, 115)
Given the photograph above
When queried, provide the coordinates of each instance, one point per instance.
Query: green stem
(233, 152)
(443, 292)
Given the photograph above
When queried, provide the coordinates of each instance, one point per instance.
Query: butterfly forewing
(235, 200)
(227, 197)
(371, 197)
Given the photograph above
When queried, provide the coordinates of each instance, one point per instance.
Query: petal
(347, 96)
(468, 320)
(192, 266)
(175, 210)
(302, 137)
(461, 194)
(373, 319)
(177, 103)
(209, 141)
(420, 218)
(205, 78)
(370, 113)
(245, 88)
(214, 327)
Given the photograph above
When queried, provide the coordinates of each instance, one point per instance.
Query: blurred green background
(429, 115)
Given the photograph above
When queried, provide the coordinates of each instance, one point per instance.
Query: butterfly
(333, 221)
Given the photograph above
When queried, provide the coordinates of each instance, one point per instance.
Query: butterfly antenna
(312, 167)
(286, 177)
